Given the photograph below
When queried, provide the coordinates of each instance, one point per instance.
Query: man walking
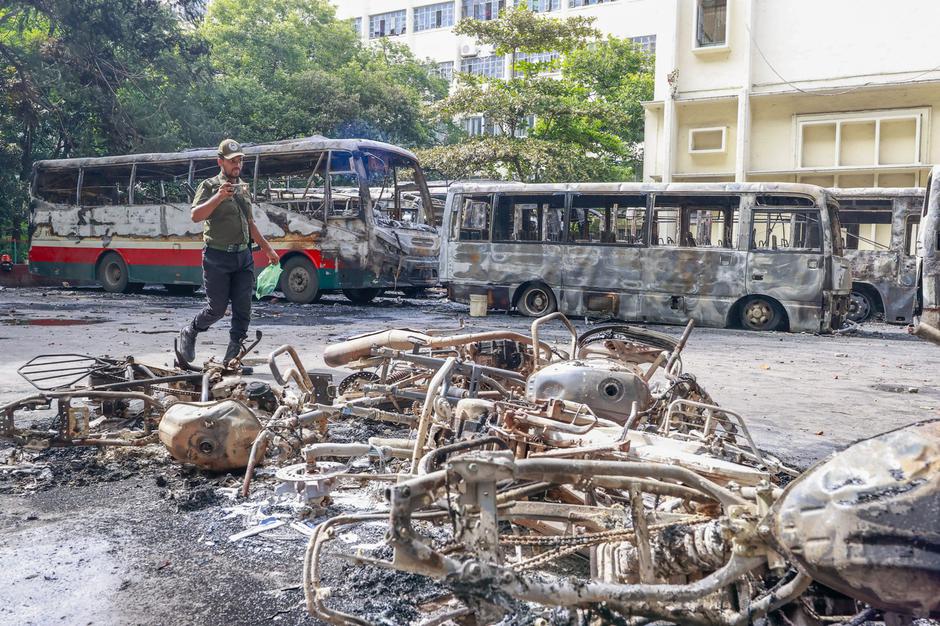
(227, 267)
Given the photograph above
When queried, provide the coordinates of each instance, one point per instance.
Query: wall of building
(707, 114)
(775, 136)
(805, 77)
(844, 42)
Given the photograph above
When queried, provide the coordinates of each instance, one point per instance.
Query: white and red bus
(344, 214)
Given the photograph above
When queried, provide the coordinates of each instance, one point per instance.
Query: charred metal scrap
(526, 455)
(594, 474)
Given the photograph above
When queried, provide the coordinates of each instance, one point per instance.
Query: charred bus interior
(880, 234)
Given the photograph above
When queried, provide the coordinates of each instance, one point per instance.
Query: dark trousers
(227, 277)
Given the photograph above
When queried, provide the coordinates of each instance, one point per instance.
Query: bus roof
(876, 192)
(304, 144)
(818, 193)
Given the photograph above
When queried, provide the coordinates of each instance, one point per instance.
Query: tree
(285, 68)
(586, 123)
(85, 77)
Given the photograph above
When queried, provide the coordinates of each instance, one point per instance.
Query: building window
(647, 42)
(864, 139)
(483, 9)
(492, 66)
(537, 57)
(711, 23)
(444, 70)
(707, 140)
(434, 16)
(357, 25)
(473, 126)
(387, 24)
(586, 3)
(544, 6)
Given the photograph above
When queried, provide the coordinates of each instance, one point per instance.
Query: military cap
(229, 149)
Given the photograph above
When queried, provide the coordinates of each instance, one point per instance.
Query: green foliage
(588, 115)
(621, 73)
(88, 77)
(285, 68)
(520, 30)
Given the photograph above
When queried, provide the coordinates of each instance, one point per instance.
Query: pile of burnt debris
(594, 475)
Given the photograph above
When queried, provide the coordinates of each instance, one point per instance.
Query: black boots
(233, 350)
(186, 346)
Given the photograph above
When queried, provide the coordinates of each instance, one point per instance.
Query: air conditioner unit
(468, 50)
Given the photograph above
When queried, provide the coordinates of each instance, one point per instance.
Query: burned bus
(344, 215)
(879, 234)
(760, 256)
(927, 303)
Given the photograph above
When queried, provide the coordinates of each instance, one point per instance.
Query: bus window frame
(74, 195)
(683, 217)
(550, 195)
(821, 249)
(355, 158)
(909, 236)
(132, 196)
(848, 206)
(489, 217)
(570, 208)
(126, 186)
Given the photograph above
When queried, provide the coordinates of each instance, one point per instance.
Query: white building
(427, 27)
(831, 92)
(834, 92)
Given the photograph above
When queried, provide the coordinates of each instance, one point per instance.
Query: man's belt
(235, 247)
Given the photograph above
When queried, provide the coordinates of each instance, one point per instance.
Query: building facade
(426, 27)
(836, 93)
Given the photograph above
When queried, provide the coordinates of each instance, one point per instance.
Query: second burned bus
(879, 234)
(761, 256)
(343, 214)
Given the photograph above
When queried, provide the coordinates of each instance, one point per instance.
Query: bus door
(468, 255)
(527, 239)
(602, 263)
(786, 259)
(693, 268)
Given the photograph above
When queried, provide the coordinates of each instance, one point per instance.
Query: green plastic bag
(267, 280)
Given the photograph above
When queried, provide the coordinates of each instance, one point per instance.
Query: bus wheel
(860, 306)
(761, 314)
(112, 274)
(537, 300)
(299, 281)
(362, 296)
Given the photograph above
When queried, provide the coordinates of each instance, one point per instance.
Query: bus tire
(861, 306)
(760, 313)
(300, 282)
(362, 296)
(113, 275)
(536, 300)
